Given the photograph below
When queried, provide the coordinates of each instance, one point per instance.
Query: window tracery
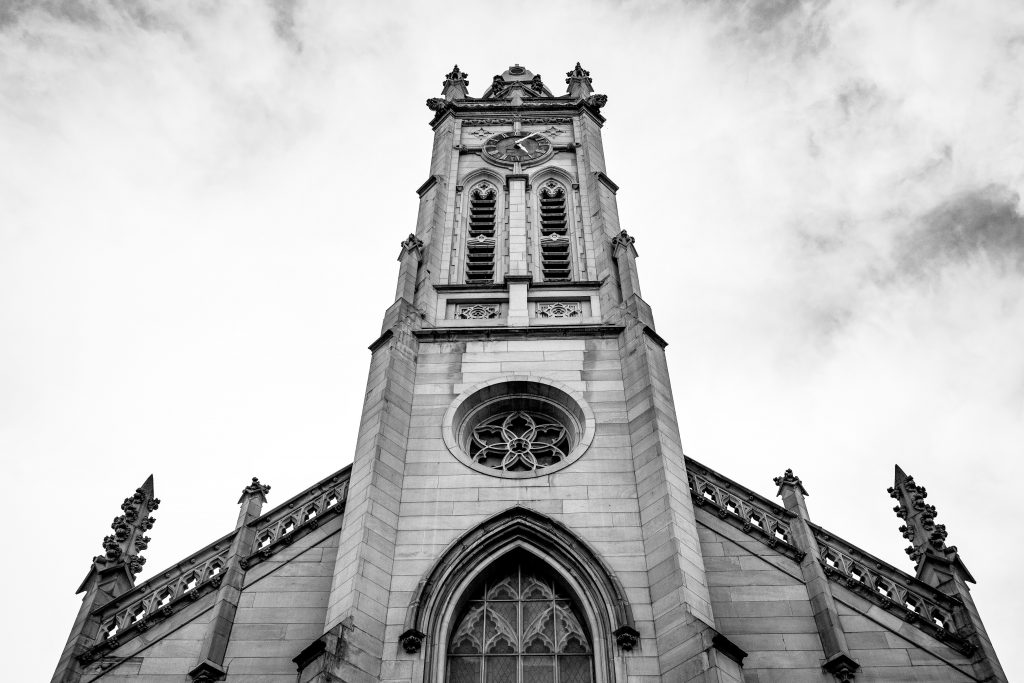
(520, 626)
(519, 441)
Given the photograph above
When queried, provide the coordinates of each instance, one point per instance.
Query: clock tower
(519, 508)
(519, 422)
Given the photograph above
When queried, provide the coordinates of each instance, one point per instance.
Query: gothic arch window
(555, 233)
(519, 623)
(481, 237)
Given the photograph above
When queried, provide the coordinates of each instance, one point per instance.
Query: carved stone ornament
(490, 122)
(457, 76)
(477, 311)
(412, 242)
(842, 667)
(437, 104)
(256, 488)
(499, 88)
(789, 479)
(597, 101)
(560, 309)
(537, 85)
(623, 239)
(626, 637)
(578, 74)
(207, 672)
(412, 640)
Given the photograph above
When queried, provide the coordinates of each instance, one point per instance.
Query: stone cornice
(475, 107)
(427, 184)
(606, 181)
(500, 333)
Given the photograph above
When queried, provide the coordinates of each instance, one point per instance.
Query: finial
(790, 479)
(580, 83)
(455, 85)
(623, 239)
(410, 244)
(255, 489)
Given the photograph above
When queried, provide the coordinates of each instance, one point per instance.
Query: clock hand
(522, 148)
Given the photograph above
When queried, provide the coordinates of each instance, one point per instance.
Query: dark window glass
(519, 626)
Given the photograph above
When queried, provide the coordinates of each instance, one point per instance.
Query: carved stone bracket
(412, 640)
(207, 672)
(842, 666)
(626, 637)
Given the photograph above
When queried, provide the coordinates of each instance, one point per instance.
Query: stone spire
(927, 547)
(111, 575)
(940, 566)
(122, 549)
(456, 84)
(580, 83)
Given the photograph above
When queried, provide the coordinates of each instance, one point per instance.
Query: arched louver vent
(480, 242)
(554, 235)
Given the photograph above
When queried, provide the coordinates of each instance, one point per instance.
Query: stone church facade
(519, 507)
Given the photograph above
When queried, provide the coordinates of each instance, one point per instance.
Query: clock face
(509, 147)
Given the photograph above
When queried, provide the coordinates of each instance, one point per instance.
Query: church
(519, 508)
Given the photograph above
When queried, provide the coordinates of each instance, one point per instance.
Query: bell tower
(519, 426)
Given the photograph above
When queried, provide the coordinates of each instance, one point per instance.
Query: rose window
(518, 429)
(519, 442)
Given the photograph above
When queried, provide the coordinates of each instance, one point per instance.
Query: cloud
(984, 223)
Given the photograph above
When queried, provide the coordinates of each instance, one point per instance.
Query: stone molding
(535, 533)
(443, 334)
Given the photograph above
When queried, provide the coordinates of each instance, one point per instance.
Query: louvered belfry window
(519, 626)
(554, 235)
(480, 242)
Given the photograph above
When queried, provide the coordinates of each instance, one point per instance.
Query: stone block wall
(596, 497)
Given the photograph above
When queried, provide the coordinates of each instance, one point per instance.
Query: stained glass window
(519, 626)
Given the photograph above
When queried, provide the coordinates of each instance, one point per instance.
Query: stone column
(409, 257)
(218, 632)
(518, 277)
(624, 252)
(823, 605)
(518, 258)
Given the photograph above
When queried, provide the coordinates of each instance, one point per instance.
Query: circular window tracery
(518, 428)
(519, 441)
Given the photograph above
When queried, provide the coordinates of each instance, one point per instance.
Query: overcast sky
(201, 205)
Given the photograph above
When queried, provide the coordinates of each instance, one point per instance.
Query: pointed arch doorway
(519, 623)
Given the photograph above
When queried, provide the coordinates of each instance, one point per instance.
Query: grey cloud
(982, 223)
(82, 12)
